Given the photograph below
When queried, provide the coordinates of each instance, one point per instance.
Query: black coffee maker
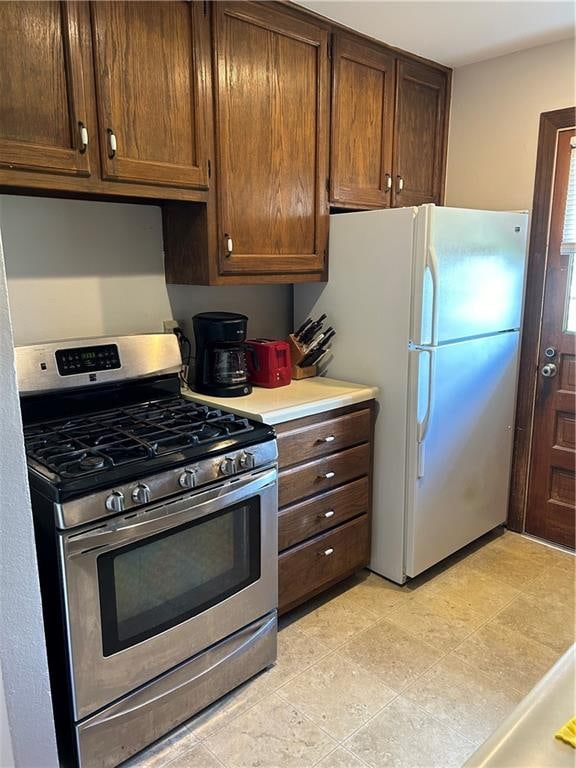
(221, 368)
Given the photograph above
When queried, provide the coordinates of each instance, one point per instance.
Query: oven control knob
(141, 494)
(187, 479)
(115, 502)
(247, 460)
(228, 466)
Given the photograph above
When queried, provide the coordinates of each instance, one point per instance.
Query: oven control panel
(103, 357)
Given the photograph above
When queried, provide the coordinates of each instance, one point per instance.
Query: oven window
(154, 584)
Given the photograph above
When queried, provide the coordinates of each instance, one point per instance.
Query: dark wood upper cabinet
(362, 123)
(419, 134)
(43, 104)
(272, 100)
(150, 91)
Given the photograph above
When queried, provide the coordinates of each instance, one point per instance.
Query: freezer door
(469, 273)
(459, 445)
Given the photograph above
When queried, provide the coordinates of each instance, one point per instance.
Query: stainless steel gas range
(155, 525)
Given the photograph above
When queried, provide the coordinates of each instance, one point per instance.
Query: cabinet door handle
(326, 515)
(388, 179)
(83, 137)
(112, 143)
(399, 183)
(228, 245)
(326, 552)
(327, 439)
(327, 476)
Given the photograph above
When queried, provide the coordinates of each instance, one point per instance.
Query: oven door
(147, 590)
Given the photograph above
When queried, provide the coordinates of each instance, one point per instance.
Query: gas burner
(99, 442)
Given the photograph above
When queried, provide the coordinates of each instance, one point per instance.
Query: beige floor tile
(540, 555)
(335, 622)
(376, 594)
(197, 757)
(480, 591)
(508, 656)
(463, 698)
(506, 566)
(175, 744)
(557, 584)
(403, 736)
(271, 735)
(296, 652)
(341, 758)
(567, 563)
(223, 711)
(437, 618)
(337, 695)
(547, 621)
(391, 654)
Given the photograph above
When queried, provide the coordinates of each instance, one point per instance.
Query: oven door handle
(168, 515)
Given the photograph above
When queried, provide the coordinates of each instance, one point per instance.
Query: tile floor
(372, 674)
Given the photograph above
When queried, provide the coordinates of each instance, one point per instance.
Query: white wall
(496, 106)
(6, 756)
(24, 670)
(78, 268)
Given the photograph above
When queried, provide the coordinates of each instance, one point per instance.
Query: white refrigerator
(427, 305)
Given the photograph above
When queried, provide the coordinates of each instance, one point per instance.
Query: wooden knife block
(297, 353)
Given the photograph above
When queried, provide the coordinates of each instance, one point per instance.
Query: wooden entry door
(551, 505)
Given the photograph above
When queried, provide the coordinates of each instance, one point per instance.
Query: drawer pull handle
(327, 476)
(328, 439)
(329, 513)
(326, 552)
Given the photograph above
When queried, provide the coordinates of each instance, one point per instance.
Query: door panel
(43, 100)
(551, 503)
(475, 265)
(458, 478)
(362, 124)
(149, 92)
(271, 88)
(419, 134)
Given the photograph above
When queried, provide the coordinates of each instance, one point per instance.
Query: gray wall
(78, 268)
(23, 662)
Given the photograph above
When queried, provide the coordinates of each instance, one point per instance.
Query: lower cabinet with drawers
(324, 499)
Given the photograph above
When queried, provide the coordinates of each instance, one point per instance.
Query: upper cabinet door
(43, 109)
(150, 89)
(362, 124)
(420, 134)
(272, 114)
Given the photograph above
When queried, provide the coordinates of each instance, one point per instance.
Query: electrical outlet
(170, 325)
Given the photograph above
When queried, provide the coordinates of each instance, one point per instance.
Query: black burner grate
(99, 442)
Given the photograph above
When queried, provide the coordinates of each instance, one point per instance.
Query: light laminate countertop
(295, 401)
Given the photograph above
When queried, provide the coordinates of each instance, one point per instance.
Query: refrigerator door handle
(422, 425)
(432, 264)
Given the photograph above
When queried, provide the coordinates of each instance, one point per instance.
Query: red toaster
(268, 362)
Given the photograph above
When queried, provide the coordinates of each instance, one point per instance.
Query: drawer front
(323, 474)
(323, 560)
(305, 443)
(309, 518)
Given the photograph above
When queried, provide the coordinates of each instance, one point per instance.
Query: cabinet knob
(326, 552)
(228, 245)
(388, 179)
(327, 476)
(327, 439)
(399, 183)
(112, 143)
(83, 137)
(325, 515)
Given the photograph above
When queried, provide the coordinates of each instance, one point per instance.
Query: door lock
(549, 370)
(550, 352)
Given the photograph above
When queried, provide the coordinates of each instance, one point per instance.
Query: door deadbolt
(549, 370)
(550, 352)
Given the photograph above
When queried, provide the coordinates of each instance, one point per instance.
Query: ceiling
(456, 32)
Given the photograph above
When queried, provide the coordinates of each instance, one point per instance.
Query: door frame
(550, 123)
